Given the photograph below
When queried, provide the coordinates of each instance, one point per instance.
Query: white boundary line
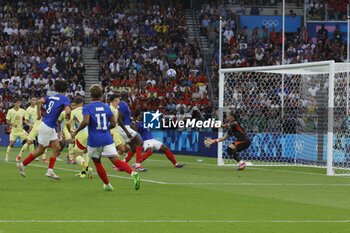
(175, 221)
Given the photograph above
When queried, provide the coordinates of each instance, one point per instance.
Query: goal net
(295, 115)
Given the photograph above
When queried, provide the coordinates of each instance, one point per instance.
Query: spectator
(240, 9)
(254, 10)
(337, 34)
(228, 34)
(322, 34)
(291, 13)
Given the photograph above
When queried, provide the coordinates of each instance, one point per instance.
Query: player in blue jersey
(129, 135)
(49, 131)
(150, 144)
(100, 119)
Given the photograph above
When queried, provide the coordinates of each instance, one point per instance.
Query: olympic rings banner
(291, 23)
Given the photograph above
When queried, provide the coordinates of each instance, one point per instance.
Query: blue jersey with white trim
(124, 108)
(100, 115)
(146, 134)
(54, 106)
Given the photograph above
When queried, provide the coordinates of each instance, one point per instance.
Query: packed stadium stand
(135, 42)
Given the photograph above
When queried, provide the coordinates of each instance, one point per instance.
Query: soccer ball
(171, 73)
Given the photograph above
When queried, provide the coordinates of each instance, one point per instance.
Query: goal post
(295, 115)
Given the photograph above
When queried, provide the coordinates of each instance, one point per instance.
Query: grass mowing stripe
(191, 183)
(175, 221)
(257, 167)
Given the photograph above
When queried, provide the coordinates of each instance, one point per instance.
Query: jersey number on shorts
(98, 117)
(50, 107)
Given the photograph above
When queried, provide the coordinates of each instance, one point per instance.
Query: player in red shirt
(242, 140)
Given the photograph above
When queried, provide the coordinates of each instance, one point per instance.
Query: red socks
(129, 156)
(146, 155)
(101, 172)
(170, 156)
(52, 162)
(123, 165)
(139, 154)
(28, 160)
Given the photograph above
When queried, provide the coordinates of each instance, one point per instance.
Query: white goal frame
(330, 67)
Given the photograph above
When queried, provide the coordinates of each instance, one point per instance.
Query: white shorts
(104, 151)
(152, 143)
(123, 134)
(46, 134)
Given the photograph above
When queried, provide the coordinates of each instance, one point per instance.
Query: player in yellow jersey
(31, 119)
(14, 118)
(67, 136)
(118, 141)
(80, 148)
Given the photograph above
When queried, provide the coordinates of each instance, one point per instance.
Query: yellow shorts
(33, 133)
(116, 137)
(66, 134)
(81, 141)
(18, 133)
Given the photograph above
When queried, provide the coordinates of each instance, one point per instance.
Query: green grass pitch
(201, 197)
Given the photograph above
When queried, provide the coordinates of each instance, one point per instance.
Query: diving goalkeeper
(242, 140)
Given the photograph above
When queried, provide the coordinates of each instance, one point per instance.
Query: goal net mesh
(285, 114)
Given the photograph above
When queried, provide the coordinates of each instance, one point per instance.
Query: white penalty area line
(258, 184)
(110, 175)
(175, 221)
(77, 171)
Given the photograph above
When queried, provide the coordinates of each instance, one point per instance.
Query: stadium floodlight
(315, 128)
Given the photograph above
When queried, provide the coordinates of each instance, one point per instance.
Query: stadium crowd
(40, 43)
(261, 95)
(327, 9)
(134, 57)
(137, 41)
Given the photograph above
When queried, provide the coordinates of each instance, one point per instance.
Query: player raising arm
(100, 119)
(48, 129)
(242, 140)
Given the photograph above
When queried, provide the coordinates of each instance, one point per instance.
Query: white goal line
(175, 221)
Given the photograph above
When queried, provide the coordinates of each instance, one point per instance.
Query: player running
(62, 121)
(150, 144)
(80, 149)
(14, 118)
(242, 140)
(48, 129)
(129, 135)
(100, 119)
(118, 141)
(31, 119)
